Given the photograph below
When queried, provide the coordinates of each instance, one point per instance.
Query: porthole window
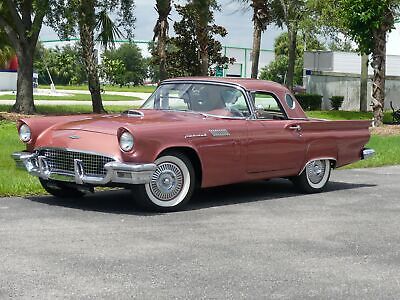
(290, 102)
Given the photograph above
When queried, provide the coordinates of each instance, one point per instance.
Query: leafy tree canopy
(64, 64)
(276, 70)
(363, 18)
(124, 65)
(359, 19)
(65, 15)
(6, 51)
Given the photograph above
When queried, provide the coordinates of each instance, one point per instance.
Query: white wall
(393, 41)
(8, 81)
(345, 62)
(330, 84)
(242, 57)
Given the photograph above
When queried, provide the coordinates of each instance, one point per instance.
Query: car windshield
(213, 99)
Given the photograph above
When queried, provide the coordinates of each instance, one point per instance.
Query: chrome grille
(63, 160)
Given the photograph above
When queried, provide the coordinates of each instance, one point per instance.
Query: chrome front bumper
(116, 172)
(367, 153)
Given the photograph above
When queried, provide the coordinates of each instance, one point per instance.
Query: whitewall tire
(314, 177)
(171, 186)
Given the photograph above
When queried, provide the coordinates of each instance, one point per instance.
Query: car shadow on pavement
(274, 189)
(122, 201)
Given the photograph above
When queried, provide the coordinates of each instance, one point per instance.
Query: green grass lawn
(71, 109)
(346, 115)
(74, 97)
(13, 181)
(387, 152)
(109, 88)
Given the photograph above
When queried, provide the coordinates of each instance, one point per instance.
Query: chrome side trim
(190, 136)
(367, 153)
(117, 172)
(318, 158)
(219, 132)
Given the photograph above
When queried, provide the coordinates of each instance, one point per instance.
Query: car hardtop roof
(249, 84)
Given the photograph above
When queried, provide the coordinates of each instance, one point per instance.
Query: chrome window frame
(294, 102)
(277, 101)
(245, 92)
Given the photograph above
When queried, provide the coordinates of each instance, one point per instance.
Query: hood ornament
(74, 137)
(133, 113)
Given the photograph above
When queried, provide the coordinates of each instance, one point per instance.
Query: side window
(170, 99)
(268, 107)
(236, 102)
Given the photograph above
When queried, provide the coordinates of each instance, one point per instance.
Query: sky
(232, 17)
(237, 22)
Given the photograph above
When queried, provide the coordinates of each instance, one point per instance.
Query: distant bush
(310, 101)
(336, 102)
(124, 65)
(65, 65)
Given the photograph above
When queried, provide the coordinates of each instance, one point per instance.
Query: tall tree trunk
(23, 33)
(256, 48)
(162, 44)
(203, 41)
(379, 66)
(24, 102)
(364, 83)
(292, 36)
(87, 20)
(163, 7)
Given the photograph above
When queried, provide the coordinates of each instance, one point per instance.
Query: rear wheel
(314, 177)
(60, 190)
(171, 185)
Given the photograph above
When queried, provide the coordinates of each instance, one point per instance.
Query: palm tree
(202, 18)
(163, 8)
(290, 13)
(86, 18)
(88, 23)
(261, 19)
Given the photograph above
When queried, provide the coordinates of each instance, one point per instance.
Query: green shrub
(336, 102)
(310, 101)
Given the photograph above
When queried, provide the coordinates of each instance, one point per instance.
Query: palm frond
(107, 29)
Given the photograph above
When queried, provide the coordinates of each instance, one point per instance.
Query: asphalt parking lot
(259, 240)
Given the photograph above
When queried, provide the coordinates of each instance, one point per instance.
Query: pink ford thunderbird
(191, 132)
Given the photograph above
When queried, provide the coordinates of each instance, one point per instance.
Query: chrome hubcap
(316, 171)
(167, 181)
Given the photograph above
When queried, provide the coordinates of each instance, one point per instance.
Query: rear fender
(320, 150)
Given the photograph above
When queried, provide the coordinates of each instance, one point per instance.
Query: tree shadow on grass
(122, 201)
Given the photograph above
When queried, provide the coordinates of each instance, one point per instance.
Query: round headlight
(25, 133)
(126, 141)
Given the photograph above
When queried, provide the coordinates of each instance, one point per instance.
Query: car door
(275, 143)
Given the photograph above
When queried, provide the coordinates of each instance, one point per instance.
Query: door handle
(295, 127)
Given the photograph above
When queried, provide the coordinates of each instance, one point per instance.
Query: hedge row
(309, 101)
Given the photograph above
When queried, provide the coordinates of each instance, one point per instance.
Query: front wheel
(60, 190)
(171, 185)
(314, 177)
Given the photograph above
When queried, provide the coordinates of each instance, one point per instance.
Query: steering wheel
(235, 112)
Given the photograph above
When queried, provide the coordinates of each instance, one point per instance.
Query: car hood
(109, 124)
